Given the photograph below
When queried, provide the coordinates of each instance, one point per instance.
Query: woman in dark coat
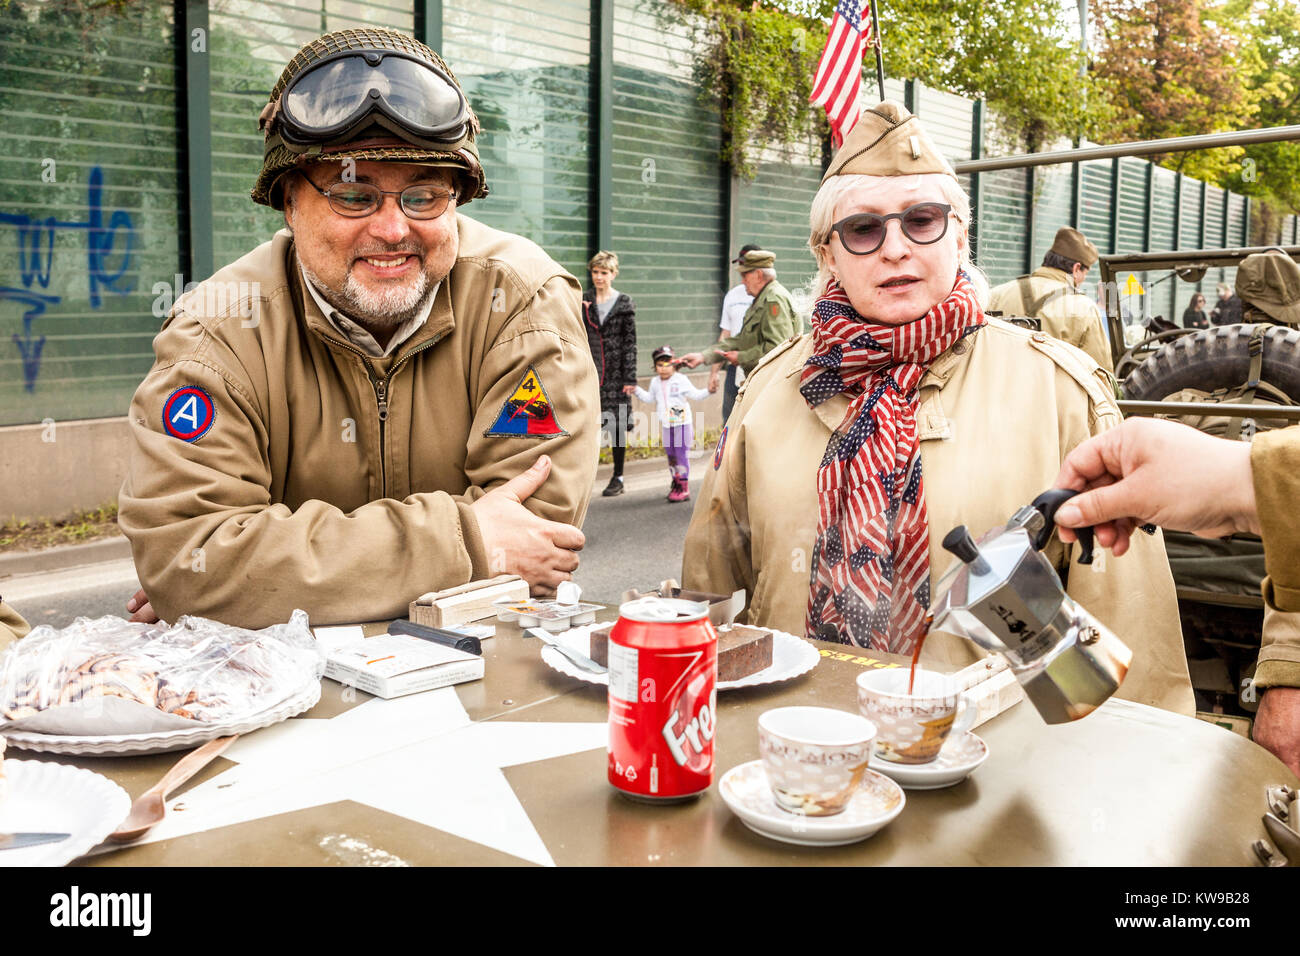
(610, 319)
(1194, 316)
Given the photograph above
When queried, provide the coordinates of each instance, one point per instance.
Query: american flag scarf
(870, 581)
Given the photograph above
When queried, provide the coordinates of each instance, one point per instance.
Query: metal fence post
(976, 186)
(428, 24)
(602, 116)
(1029, 219)
(1146, 227)
(194, 39)
(1115, 172)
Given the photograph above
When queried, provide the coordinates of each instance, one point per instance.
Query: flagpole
(875, 40)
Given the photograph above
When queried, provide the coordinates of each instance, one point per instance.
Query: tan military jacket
(12, 625)
(998, 412)
(1067, 314)
(339, 483)
(1275, 462)
(769, 321)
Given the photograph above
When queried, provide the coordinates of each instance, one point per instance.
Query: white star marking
(419, 757)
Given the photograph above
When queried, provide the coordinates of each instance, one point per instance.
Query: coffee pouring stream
(1006, 597)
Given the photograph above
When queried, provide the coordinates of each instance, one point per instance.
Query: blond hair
(822, 216)
(604, 260)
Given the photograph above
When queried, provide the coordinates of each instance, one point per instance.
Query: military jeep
(1230, 381)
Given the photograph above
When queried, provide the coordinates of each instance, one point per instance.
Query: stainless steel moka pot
(1006, 597)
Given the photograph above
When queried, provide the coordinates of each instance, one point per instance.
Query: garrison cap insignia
(527, 413)
(188, 413)
(717, 455)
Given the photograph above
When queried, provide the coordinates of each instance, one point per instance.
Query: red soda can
(663, 677)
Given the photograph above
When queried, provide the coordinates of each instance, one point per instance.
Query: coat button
(959, 347)
(1039, 337)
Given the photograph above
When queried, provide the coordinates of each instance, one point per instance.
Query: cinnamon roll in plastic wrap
(196, 669)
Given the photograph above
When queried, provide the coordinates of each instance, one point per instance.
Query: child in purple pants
(671, 394)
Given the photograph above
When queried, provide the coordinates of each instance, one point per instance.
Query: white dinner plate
(745, 789)
(956, 761)
(791, 656)
(52, 798)
(158, 743)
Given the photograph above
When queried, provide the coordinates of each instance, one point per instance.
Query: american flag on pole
(838, 81)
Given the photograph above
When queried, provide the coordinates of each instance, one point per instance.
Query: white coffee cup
(815, 757)
(912, 727)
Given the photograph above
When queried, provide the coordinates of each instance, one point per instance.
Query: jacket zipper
(381, 400)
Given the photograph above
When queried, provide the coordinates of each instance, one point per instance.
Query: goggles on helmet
(337, 97)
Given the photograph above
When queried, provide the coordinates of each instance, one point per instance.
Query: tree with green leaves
(1174, 68)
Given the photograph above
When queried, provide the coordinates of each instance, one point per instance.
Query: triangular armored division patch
(527, 413)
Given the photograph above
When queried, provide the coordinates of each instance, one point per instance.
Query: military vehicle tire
(1217, 358)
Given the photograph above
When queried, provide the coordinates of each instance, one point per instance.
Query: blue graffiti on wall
(36, 261)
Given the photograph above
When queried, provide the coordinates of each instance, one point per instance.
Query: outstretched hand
(543, 553)
(1148, 470)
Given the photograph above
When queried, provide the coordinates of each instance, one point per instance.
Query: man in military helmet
(401, 401)
(769, 321)
(1053, 294)
(1268, 286)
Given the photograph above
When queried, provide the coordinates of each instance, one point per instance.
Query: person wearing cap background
(769, 321)
(853, 450)
(405, 400)
(734, 306)
(1053, 294)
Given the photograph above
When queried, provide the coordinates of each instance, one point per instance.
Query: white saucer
(956, 761)
(746, 791)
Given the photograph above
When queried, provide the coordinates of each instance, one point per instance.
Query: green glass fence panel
(1132, 205)
(1173, 294)
(1002, 224)
(772, 212)
(1094, 212)
(670, 221)
(88, 203)
(526, 71)
(1054, 195)
(250, 43)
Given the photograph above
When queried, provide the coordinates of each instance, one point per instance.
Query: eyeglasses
(355, 200)
(864, 232)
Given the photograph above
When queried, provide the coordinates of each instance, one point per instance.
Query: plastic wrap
(127, 677)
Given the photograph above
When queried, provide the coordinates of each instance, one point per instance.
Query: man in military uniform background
(1053, 294)
(770, 320)
(403, 402)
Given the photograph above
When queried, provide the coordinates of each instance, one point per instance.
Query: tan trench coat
(299, 494)
(1068, 314)
(12, 625)
(1275, 462)
(998, 412)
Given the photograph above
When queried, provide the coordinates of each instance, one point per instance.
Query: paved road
(633, 540)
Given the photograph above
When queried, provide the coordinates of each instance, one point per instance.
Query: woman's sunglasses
(864, 232)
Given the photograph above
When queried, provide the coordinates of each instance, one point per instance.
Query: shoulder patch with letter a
(527, 413)
(188, 413)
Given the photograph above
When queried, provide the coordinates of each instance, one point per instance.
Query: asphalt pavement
(633, 540)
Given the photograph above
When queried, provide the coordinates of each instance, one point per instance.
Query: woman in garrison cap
(906, 411)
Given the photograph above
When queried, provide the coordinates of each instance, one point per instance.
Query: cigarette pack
(393, 665)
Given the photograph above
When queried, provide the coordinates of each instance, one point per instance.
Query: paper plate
(52, 798)
(791, 656)
(109, 745)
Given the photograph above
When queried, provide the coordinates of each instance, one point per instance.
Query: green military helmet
(368, 94)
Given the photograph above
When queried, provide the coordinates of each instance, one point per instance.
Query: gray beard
(380, 310)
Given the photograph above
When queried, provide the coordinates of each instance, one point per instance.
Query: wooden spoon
(150, 807)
